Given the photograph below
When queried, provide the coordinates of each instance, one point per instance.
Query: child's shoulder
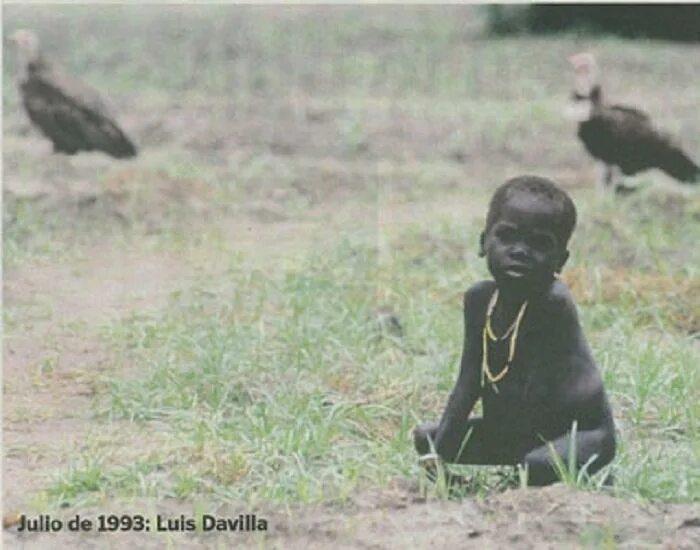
(480, 291)
(559, 293)
(558, 298)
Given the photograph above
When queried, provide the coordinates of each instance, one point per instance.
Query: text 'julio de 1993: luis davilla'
(181, 523)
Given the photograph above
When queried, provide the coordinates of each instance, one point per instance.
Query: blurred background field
(301, 168)
(255, 105)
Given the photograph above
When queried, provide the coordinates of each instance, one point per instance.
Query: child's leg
(596, 446)
(423, 435)
(474, 444)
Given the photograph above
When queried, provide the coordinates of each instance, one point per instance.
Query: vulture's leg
(605, 174)
(625, 188)
(624, 185)
(608, 176)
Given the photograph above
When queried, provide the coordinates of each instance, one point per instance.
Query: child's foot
(431, 464)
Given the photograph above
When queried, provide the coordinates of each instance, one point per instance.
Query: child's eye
(543, 242)
(505, 233)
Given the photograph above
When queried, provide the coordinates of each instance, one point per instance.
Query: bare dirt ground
(553, 517)
(51, 364)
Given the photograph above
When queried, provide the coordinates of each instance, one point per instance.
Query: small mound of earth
(552, 517)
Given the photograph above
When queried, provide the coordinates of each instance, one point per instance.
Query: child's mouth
(516, 271)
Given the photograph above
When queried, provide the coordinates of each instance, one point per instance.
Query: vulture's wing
(635, 129)
(72, 115)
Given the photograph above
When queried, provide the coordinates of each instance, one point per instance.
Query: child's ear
(482, 252)
(562, 259)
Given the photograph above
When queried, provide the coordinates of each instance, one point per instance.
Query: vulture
(620, 137)
(70, 113)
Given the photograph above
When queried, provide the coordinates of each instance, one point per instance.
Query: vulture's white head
(585, 71)
(26, 46)
(586, 90)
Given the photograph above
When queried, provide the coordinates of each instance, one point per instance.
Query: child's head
(528, 226)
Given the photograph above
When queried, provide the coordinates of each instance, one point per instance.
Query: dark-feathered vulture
(70, 113)
(622, 137)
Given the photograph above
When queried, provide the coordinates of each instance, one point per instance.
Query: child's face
(523, 248)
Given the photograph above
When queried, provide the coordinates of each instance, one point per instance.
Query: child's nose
(519, 252)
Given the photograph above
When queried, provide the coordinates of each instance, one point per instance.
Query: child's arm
(452, 429)
(581, 397)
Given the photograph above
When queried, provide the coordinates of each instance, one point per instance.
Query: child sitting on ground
(524, 354)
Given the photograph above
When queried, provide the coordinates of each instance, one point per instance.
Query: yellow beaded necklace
(489, 334)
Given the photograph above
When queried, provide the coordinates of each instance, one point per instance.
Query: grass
(310, 392)
(279, 385)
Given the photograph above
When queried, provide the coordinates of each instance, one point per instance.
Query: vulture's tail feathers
(123, 149)
(680, 166)
(115, 142)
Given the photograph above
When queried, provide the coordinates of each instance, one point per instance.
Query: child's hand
(430, 462)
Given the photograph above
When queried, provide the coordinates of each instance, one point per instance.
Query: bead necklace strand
(489, 334)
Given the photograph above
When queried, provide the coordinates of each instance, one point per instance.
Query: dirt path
(53, 355)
